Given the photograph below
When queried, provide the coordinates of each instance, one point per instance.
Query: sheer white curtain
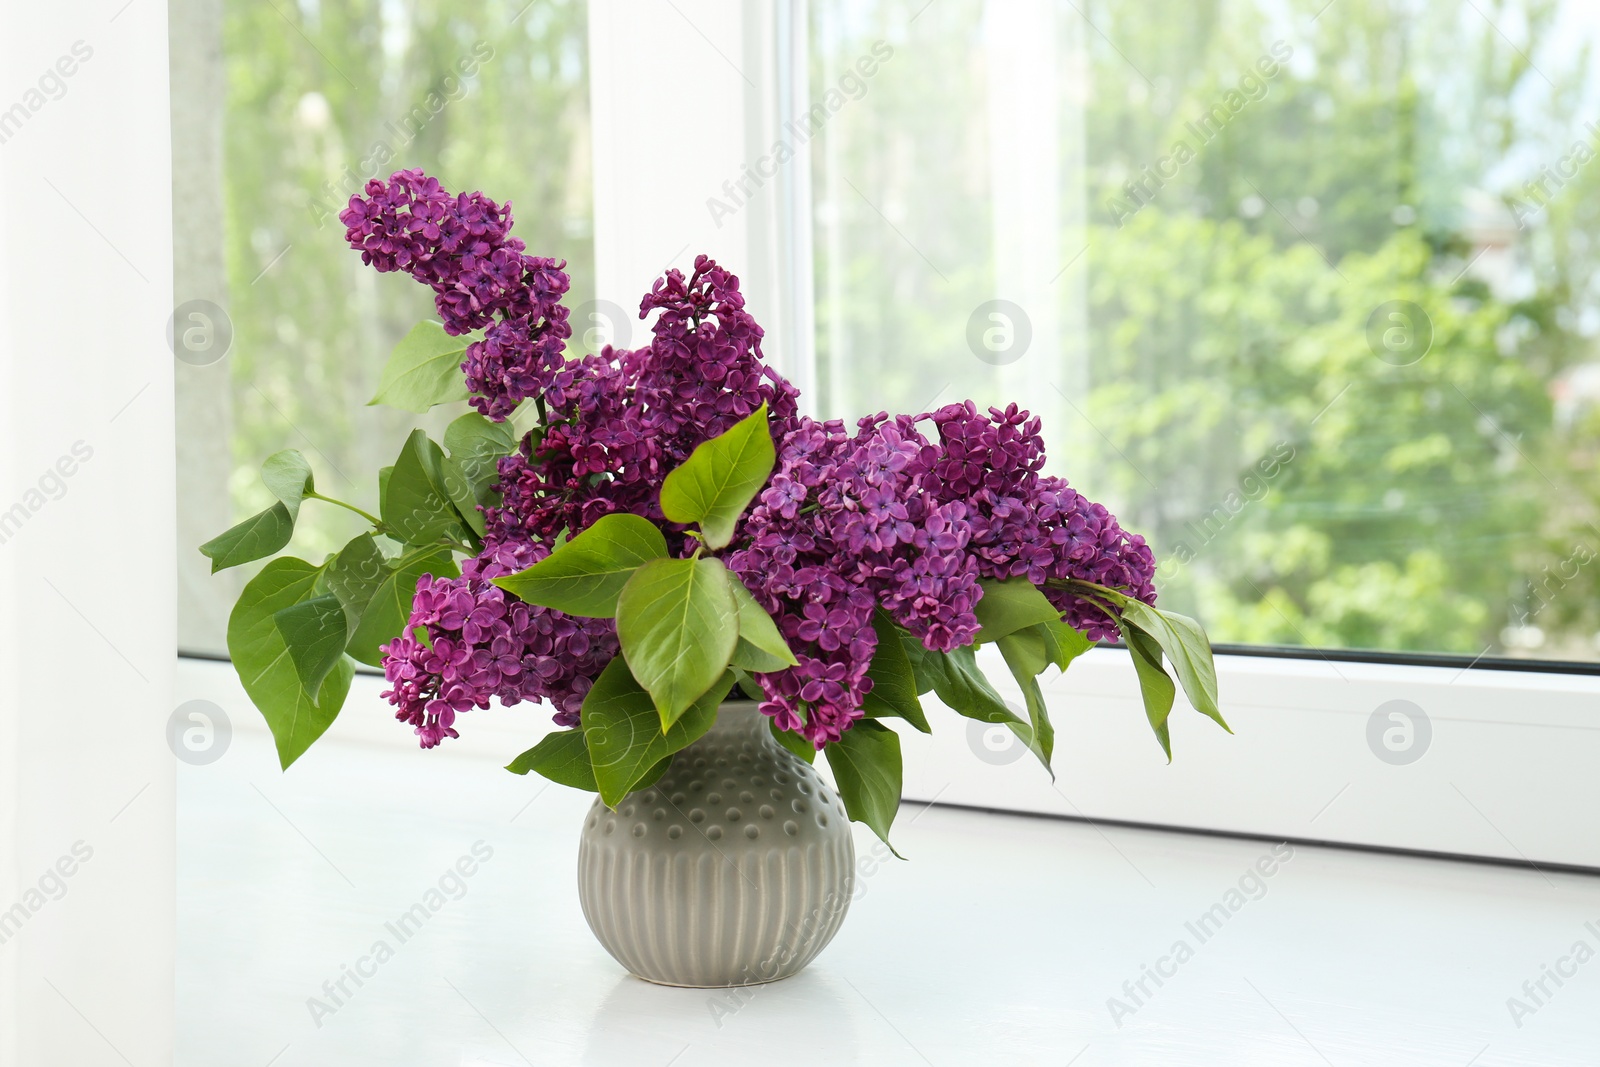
(86, 535)
(690, 106)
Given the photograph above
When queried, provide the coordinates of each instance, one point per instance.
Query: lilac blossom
(482, 643)
(461, 247)
(903, 517)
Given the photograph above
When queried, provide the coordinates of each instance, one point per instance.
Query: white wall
(86, 579)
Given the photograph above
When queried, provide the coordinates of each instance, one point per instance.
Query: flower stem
(376, 522)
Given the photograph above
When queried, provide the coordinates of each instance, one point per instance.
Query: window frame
(1299, 766)
(1510, 737)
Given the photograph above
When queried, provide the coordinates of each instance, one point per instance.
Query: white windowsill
(1001, 940)
(1509, 773)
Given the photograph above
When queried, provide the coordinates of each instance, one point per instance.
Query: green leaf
(623, 729)
(744, 687)
(416, 506)
(476, 446)
(894, 683)
(288, 476)
(959, 683)
(747, 657)
(266, 667)
(1063, 644)
(315, 631)
(793, 742)
(677, 626)
(1040, 736)
(473, 436)
(255, 538)
(1154, 685)
(652, 776)
(720, 478)
(917, 655)
(1043, 644)
(866, 767)
(458, 486)
(386, 613)
(355, 574)
(563, 757)
(585, 575)
(1010, 605)
(1186, 648)
(758, 634)
(423, 370)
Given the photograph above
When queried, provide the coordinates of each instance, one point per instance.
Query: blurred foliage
(1374, 151)
(322, 96)
(1450, 504)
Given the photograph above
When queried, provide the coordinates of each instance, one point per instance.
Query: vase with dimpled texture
(734, 868)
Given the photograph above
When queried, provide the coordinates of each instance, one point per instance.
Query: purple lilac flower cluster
(617, 422)
(906, 515)
(461, 246)
(483, 643)
(889, 518)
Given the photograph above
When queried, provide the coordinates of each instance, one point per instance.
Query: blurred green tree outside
(1416, 151)
(320, 98)
(1442, 503)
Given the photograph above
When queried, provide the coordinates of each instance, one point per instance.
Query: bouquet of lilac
(668, 527)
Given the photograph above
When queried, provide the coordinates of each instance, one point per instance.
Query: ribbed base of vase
(736, 868)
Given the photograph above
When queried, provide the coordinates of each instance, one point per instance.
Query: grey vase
(735, 868)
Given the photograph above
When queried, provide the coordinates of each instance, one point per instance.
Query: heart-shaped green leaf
(389, 608)
(894, 683)
(355, 575)
(471, 436)
(763, 648)
(623, 729)
(866, 767)
(266, 667)
(315, 631)
(255, 538)
(677, 626)
(423, 370)
(1010, 605)
(288, 476)
(416, 505)
(475, 445)
(793, 742)
(1154, 684)
(563, 757)
(720, 478)
(586, 575)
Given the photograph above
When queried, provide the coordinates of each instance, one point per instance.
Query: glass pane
(319, 98)
(1309, 290)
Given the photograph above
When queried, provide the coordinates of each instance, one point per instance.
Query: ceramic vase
(734, 868)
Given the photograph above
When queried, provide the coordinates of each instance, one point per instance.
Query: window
(1303, 292)
(1310, 301)
(316, 99)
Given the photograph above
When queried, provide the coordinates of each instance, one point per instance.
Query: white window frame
(1507, 774)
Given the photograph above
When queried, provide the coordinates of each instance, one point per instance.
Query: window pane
(317, 99)
(1308, 291)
